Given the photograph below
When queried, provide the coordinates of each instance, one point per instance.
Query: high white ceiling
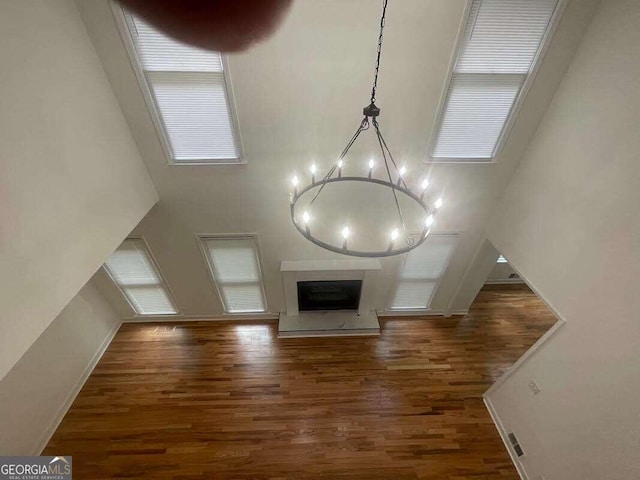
(299, 97)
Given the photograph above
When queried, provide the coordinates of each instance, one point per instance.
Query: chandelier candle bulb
(371, 165)
(427, 225)
(439, 202)
(305, 219)
(345, 236)
(340, 165)
(394, 236)
(423, 186)
(294, 182)
(429, 221)
(313, 170)
(401, 173)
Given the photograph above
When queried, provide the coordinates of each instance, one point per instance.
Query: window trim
(517, 104)
(152, 105)
(201, 238)
(163, 282)
(438, 281)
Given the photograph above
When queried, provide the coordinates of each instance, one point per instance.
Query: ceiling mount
(400, 240)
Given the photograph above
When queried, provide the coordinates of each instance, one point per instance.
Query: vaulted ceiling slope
(298, 97)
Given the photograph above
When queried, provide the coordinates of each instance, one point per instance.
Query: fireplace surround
(358, 319)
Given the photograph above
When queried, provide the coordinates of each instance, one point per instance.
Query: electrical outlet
(534, 387)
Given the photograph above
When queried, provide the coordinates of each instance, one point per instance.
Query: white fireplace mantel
(351, 269)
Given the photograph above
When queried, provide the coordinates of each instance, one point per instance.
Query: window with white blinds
(133, 270)
(421, 271)
(188, 91)
(235, 265)
(497, 53)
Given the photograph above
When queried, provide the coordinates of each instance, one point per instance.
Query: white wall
(37, 391)
(306, 101)
(483, 261)
(570, 224)
(501, 273)
(72, 184)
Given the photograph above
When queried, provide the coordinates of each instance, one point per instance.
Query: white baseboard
(505, 281)
(203, 318)
(275, 316)
(73, 393)
(455, 312)
(505, 439)
(419, 313)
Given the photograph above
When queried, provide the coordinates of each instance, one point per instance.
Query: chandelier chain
(375, 77)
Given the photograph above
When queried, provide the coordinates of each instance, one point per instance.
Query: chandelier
(397, 190)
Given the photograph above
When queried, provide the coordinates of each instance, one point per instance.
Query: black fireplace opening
(329, 295)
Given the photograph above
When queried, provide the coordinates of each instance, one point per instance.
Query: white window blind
(132, 269)
(188, 87)
(421, 271)
(235, 266)
(497, 54)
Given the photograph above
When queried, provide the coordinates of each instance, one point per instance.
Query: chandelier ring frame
(411, 241)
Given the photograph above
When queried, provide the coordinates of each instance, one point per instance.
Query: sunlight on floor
(256, 343)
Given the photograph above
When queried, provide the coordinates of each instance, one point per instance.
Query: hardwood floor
(205, 400)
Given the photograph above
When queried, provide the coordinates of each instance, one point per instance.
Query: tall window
(421, 271)
(497, 53)
(135, 273)
(187, 95)
(235, 266)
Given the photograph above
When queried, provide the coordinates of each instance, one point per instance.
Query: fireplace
(329, 295)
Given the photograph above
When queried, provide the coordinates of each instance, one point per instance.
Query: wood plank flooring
(211, 400)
